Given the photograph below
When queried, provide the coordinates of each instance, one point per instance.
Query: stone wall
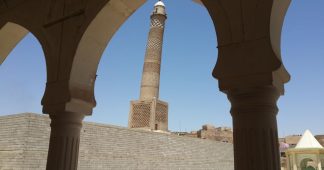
(292, 140)
(221, 134)
(13, 135)
(320, 139)
(24, 143)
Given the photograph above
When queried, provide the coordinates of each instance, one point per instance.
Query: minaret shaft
(152, 64)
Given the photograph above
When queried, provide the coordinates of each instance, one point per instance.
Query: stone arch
(93, 43)
(241, 27)
(102, 28)
(10, 35)
(115, 13)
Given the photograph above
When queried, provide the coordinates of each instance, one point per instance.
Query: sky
(189, 55)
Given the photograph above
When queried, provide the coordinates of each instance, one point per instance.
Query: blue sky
(189, 55)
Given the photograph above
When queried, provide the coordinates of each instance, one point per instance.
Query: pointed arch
(93, 43)
(12, 33)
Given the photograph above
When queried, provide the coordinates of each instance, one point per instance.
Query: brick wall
(12, 141)
(24, 143)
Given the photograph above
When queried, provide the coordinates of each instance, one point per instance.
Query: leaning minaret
(149, 112)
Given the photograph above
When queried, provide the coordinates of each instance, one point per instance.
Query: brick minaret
(149, 112)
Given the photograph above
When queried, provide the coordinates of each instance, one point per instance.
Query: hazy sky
(189, 55)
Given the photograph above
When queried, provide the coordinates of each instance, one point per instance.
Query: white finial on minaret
(159, 3)
(159, 8)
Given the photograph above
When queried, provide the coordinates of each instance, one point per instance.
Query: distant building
(192, 134)
(292, 140)
(221, 134)
(320, 139)
(307, 155)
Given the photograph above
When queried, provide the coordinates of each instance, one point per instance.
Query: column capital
(245, 100)
(248, 36)
(59, 98)
(60, 122)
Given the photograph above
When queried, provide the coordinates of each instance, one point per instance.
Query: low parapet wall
(24, 144)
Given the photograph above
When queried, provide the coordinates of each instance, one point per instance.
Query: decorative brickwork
(151, 114)
(151, 81)
(161, 112)
(157, 22)
(151, 67)
(141, 113)
(154, 43)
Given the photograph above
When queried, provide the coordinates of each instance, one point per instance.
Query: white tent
(308, 141)
(308, 154)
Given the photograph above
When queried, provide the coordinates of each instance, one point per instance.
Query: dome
(160, 3)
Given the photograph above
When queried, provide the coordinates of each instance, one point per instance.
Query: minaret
(149, 112)
(152, 64)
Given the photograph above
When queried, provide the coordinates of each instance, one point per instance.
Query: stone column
(63, 149)
(254, 113)
(250, 71)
